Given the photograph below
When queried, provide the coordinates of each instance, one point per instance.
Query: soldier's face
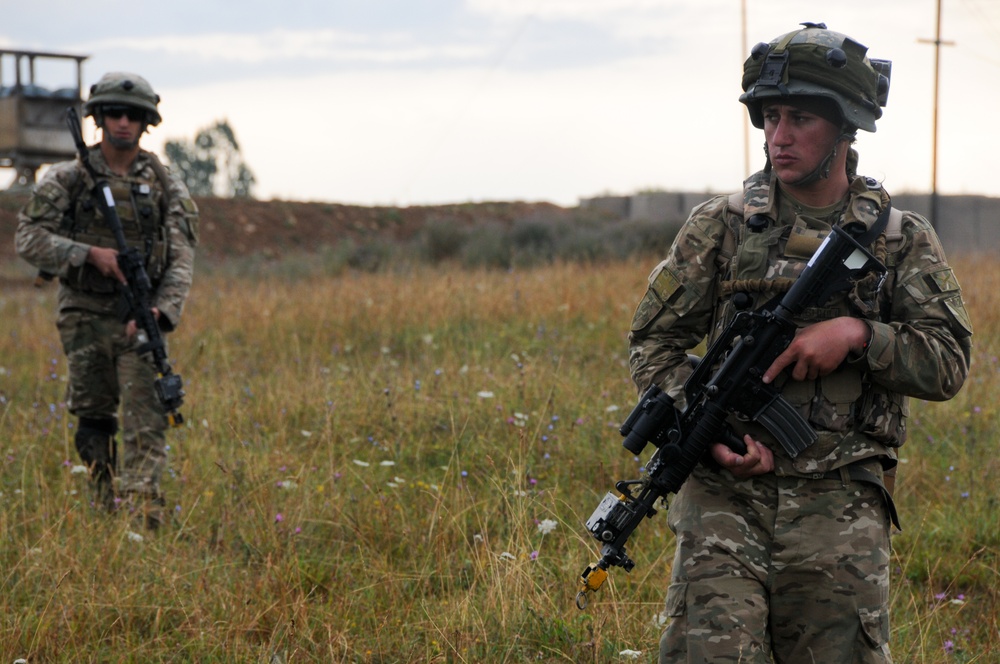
(121, 127)
(797, 140)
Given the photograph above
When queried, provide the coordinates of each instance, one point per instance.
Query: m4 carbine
(727, 381)
(137, 290)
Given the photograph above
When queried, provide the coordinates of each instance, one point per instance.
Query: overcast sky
(407, 102)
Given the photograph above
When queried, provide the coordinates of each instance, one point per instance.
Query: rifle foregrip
(680, 459)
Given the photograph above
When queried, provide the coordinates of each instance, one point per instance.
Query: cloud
(578, 10)
(333, 46)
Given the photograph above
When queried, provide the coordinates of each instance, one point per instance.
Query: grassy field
(396, 468)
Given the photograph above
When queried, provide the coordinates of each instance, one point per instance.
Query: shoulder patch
(664, 287)
(944, 280)
(664, 284)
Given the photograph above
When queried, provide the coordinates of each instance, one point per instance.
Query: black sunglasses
(115, 112)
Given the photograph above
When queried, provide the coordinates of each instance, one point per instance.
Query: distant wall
(965, 223)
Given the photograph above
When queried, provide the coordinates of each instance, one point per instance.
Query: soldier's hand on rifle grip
(131, 328)
(758, 460)
(820, 348)
(106, 262)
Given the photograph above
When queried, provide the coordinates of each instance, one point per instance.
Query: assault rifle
(742, 354)
(137, 290)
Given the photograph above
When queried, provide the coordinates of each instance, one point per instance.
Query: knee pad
(94, 439)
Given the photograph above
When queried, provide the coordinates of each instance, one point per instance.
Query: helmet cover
(816, 62)
(122, 88)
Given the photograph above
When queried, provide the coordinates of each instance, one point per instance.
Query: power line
(982, 17)
(989, 27)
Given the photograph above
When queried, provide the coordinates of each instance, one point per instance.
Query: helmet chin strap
(122, 144)
(117, 142)
(822, 170)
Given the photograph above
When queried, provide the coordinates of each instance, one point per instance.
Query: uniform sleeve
(37, 239)
(924, 350)
(675, 314)
(182, 235)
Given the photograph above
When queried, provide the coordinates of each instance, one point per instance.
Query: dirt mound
(235, 227)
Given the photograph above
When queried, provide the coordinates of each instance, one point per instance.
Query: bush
(442, 239)
(533, 242)
(488, 246)
(370, 256)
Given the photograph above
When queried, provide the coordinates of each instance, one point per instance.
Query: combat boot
(96, 445)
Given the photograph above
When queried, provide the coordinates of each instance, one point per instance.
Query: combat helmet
(127, 89)
(816, 62)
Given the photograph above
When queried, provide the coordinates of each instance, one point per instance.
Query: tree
(214, 152)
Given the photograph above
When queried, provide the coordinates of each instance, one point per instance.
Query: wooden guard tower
(33, 117)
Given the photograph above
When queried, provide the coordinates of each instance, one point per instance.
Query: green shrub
(442, 239)
(488, 246)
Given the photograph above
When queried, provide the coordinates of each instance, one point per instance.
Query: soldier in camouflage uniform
(782, 559)
(62, 232)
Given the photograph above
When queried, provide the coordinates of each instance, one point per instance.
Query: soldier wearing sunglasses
(61, 231)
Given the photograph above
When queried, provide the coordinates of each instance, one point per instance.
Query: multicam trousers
(105, 372)
(780, 569)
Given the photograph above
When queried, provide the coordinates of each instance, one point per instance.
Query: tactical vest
(760, 259)
(141, 204)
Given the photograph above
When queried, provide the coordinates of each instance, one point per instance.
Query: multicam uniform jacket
(921, 334)
(61, 221)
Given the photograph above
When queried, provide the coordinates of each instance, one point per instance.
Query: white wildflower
(507, 555)
(631, 654)
(363, 464)
(546, 526)
(485, 394)
(612, 408)
(306, 434)
(287, 484)
(134, 537)
(78, 470)
(387, 462)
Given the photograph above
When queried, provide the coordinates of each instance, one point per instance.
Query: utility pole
(937, 75)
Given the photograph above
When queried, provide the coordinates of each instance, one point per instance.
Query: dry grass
(366, 465)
